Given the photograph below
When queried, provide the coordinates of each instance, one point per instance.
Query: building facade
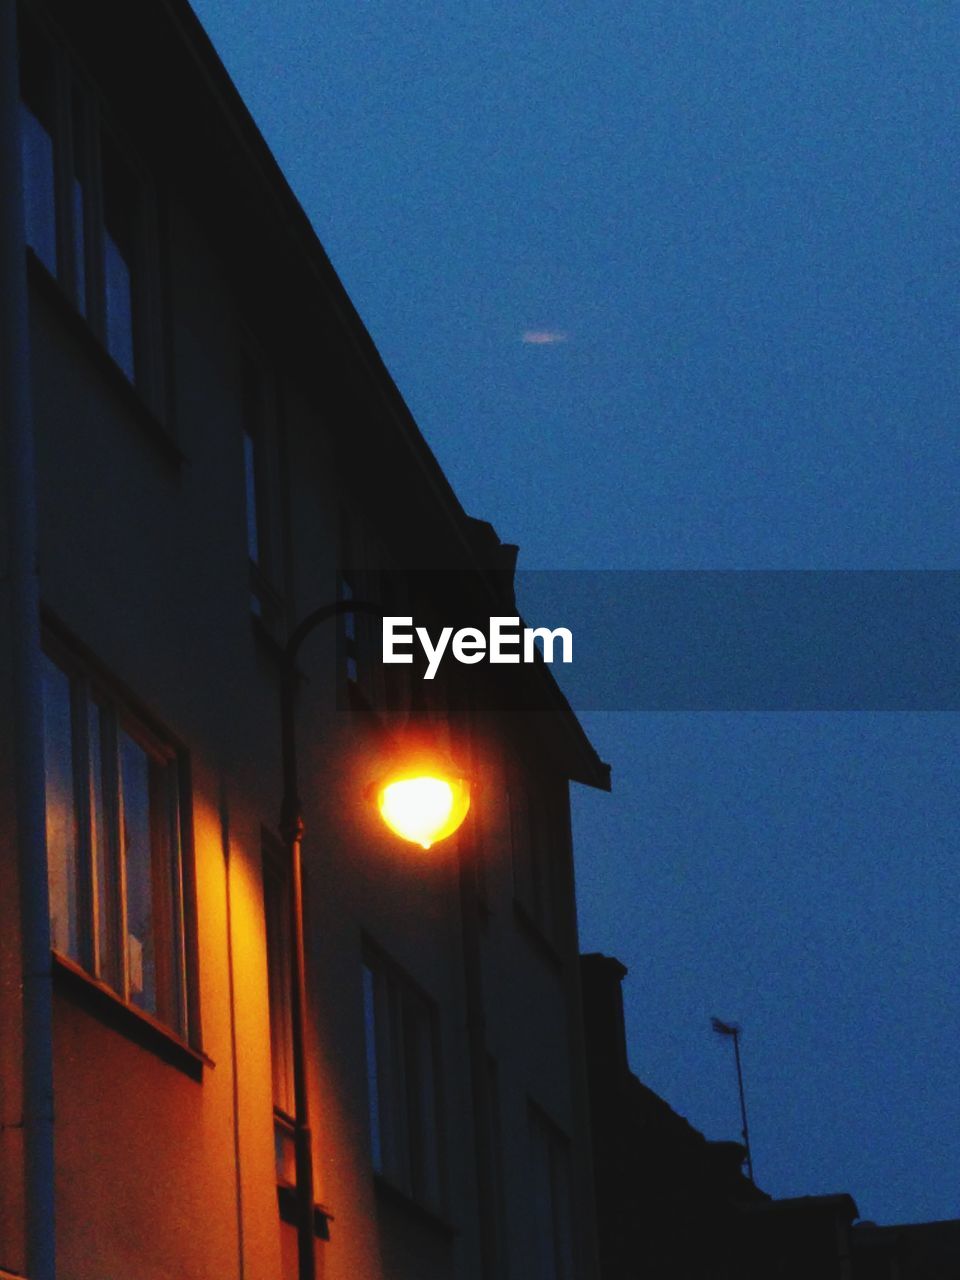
(201, 445)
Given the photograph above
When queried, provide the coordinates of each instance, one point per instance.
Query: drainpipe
(477, 1052)
(20, 497)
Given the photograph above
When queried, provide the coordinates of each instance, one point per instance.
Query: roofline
(594, 771)
(295, 248)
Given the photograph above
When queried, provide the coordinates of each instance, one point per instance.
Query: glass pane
(77, 198)
(349, 619)
(250, 474)
(118, 285)
(120, 216)
(138, 873)
(61, 820)
(39, 210)
(36, 137)
(391, 1061)
(373, 1084)
(425, 1103)
(106, 967)
(166, 797)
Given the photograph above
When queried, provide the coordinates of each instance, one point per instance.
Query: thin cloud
(543, 337)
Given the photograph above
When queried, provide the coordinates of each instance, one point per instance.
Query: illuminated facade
(190, 408)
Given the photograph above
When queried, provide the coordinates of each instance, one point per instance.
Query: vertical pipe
(291, 822)
(291, 827)
(477, 1050)
(20, 482)
(302, 1136)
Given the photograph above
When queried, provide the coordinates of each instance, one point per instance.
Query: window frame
(408, 1150)
(261, 436)
(539, 847)
(103, 956)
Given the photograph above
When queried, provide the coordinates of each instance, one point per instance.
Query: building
(201, 445)
(671, 1202)
(907, 1251)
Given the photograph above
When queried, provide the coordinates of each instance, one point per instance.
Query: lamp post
(417, 802)
(291, 829)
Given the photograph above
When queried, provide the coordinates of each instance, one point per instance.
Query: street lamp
(423, 804)
(423, 800)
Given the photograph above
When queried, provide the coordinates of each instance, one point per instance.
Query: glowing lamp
(424, 807)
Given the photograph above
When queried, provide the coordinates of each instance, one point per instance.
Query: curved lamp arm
(291, 816)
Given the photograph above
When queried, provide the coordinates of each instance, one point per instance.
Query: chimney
(606, 1038)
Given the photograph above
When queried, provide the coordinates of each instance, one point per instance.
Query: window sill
(532, 930)
(104, 1004)
(147, 419)
(287, 1204)
(403, 1200)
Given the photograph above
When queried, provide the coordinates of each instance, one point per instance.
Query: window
(498, 1209)
(37, 112)
(536, 841)
(261, 486)
(402, 1081)
(276, 906)
(348, 595)
(86, 214)
(115, 838)
(551, 1224)
(347, 591)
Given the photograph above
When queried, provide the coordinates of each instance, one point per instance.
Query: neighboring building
(218, 451)
(907, 1251)
(668, 1200)
(672, 1203)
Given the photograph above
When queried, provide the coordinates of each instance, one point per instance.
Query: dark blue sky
(732, 227)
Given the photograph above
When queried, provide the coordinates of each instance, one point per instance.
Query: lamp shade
(423, 804)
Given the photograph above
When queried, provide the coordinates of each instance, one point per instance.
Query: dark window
(348, 594)
(81, 240)
(498, 1209)
(261, 477)
(86, 210)
(551, 1224)
(538, 849)
(121, 274)
(403, 1081)
(114, 844)
(37, 114)
(347, 591)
